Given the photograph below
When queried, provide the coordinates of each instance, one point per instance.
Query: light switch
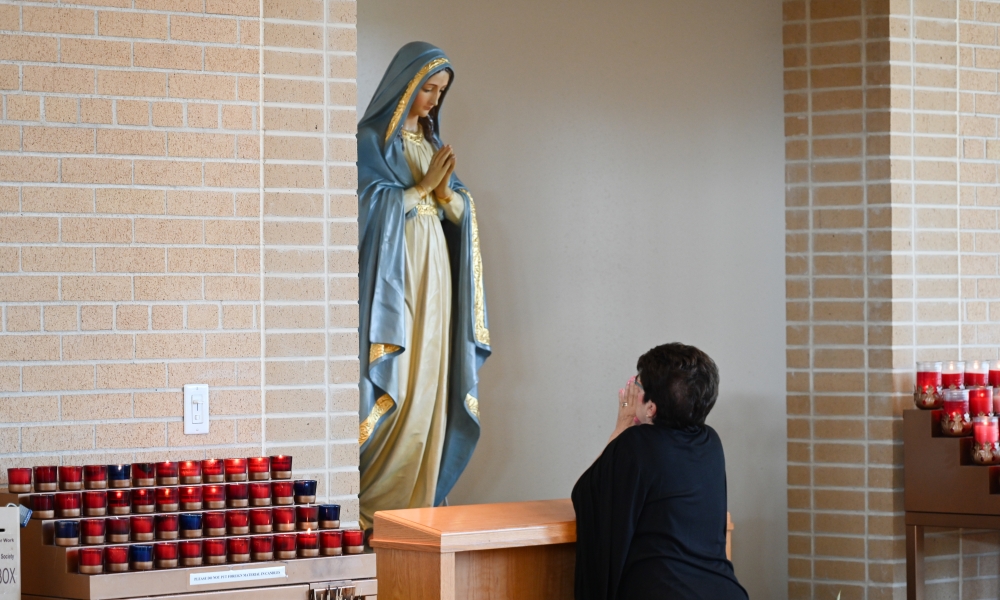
(195, 408)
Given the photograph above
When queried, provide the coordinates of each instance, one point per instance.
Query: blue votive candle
(305, 491)
(119, 476)
(329, 516)
(67, 533)
(140, 557)
(190, 525)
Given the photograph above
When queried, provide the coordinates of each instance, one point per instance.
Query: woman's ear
(650, 407)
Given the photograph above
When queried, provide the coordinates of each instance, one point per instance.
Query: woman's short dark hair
(682, 381)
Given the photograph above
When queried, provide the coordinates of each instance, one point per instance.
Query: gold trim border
(479, 303)
(377, 351)
(412, 87)
(472, 404)
(382, 406)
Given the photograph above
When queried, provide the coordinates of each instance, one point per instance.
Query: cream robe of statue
(409, 444)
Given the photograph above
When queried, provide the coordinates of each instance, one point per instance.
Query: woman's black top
(651, 519)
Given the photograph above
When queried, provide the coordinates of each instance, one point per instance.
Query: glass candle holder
(260, 493)
(45, 479)
(259, 468)
(980, 401)
(284, 518)
(284, 546)
(70, 478)
(68, 504)
(215, 523)
(191, 553)
(143, 474)
(167, 526)
(282, 493)
(236, 469)
(237, 495)
(986, 446)
(927, 388)
(120, 502)
(165, 555)
(329, 516)
(262, 548)
(190, 525)
(119, 476)
(143, 500)
(214, 496)
(142, 528)
(95, 503)
(993, 374)
(354, 541)
(191, 498)
(140, 557)
(213, 470)
(238, 522)
(953, 374)
(167, 499)
(117, 530)
(214, 552)
(261, 520)
(306, 517)
(67, 533)
(281, 467)
(93, 532)
(19, 480)
(955, 420)
(95, 477)
(190, 472)
(116, 559)
(90, 561)
(330, 543)
(976, 372)
(167, 473)
(239, 549)
(305, 491)
(43, 506)
(307, 544)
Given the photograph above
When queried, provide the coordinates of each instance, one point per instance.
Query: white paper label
(235, 576)
(10, 559)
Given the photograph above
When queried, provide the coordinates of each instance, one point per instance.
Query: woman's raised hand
(443, 160)
(629, 397)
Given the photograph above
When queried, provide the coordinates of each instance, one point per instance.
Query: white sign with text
(233, 576)
(10, 553)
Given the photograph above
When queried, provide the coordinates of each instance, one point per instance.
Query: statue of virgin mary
(423, 326)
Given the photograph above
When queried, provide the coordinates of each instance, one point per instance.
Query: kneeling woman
(651, 511)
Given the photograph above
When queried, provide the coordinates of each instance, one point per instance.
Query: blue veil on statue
(383, 177)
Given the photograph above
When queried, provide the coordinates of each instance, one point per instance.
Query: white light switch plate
(195, 408)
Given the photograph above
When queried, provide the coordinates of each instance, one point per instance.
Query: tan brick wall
(135, 255)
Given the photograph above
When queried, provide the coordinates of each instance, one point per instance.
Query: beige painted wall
(627, 163)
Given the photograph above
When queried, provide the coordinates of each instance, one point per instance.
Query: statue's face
(430, 94)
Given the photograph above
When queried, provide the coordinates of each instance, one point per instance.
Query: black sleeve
(608, 499)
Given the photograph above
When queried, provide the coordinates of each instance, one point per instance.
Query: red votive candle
(283, 493)
(43, 506)
(191, 553)
(93, 532)
(191, 497)
(236, 469)
(19, 480)
(214, 496)
(95, 477)
(281, 467)
(167, 499)
(238, 522)
(166, 526)
(120, 502)
(166, 473)
(953, 374)
(95, 503)
(116, 559)
(927, 389)
(45, 479)
(284, 546)
(955, 419)
(284, 518)
(214, 551)
(985, 449)
(117, 530)
(330, 543)
(239, 549)
(262, 548)
(980, 401)
(214, 523)
(260, 494)
(354, 541)
(213, 470)
(261, 520)
(68, 504)
(306, 517)
(190, 471)
(307, 544)
(90, 561)
(993, 375)
(142, 528)
(143, 500)
(237, 495)
(143, 474)
(259, 468)
(975, 372)
(165, 555)
(70, 478)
